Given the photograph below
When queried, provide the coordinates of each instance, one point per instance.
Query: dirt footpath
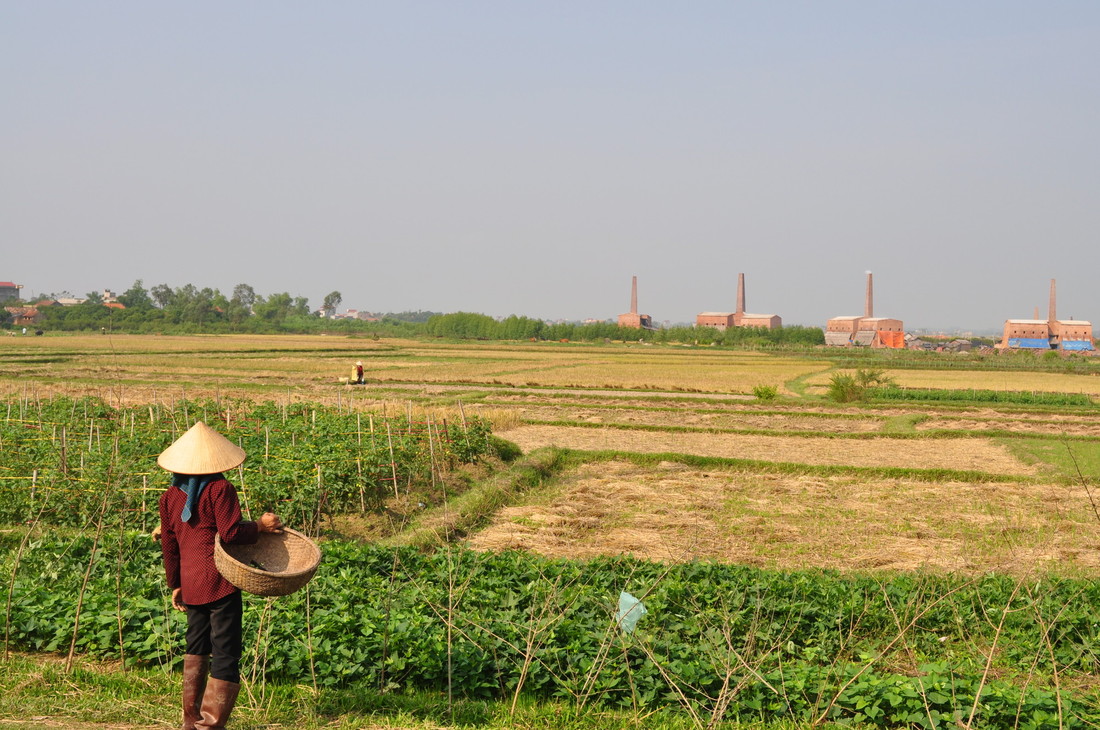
(962, 454)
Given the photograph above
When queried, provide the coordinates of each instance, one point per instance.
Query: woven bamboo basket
(277, 564)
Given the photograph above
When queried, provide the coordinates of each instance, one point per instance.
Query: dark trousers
(214, 629)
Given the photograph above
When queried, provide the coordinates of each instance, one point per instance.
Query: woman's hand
(270, 522)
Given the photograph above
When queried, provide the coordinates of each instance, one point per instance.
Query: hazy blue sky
(530, 157)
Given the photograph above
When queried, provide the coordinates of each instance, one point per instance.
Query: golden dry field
(663, 441)
(789, 522)
(256, 362)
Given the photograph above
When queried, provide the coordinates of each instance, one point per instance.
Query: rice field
(1030, 510)
(258, 362)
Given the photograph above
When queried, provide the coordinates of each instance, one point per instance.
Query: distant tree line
(466, 326)
(189, 309)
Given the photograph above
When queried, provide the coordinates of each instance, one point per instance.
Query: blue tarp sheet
(1076, 345)
(1034, 343)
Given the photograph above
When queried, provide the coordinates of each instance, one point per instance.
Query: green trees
(331, 302)
(136, 297)
(463, 326)
(239, 308)
(190, 308)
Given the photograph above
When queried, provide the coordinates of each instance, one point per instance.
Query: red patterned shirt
(188, 547)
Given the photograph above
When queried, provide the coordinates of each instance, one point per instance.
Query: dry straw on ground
(676, 513)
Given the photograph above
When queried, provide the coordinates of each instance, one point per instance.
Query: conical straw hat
(201, 450)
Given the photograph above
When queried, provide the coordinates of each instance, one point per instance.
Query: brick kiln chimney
(740, 296)
(1051, 313)
(869, 306)
(634, 295)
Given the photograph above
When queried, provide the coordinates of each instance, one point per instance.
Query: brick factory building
(868, 330)
(632, 318)
(9, 290)
(739, 318)
(1069, 335)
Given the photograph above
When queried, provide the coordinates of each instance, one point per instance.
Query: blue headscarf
(192, 485)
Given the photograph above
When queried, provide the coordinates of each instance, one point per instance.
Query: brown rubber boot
(195, 667)
(217, 703)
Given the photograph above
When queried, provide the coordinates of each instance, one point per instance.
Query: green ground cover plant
(1075, 460)
(971, 395)
(718, 641)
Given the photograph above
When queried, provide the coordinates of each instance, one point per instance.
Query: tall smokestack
(740, 294)
(634, 295)
(1051, 313)
(869, 305)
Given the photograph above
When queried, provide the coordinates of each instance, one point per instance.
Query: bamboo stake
(465, 425)
(118, 597)
(320, 501)
(309, 638)
(431, 450)
(393, 463)
(84, 584)
(362, 495)
(244, 492)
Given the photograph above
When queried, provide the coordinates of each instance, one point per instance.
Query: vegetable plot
(716, 641)
(73, 461)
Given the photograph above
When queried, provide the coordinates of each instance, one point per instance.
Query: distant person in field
(358, 375)
(198, 505)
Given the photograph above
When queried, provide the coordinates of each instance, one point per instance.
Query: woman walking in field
(200, 504)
